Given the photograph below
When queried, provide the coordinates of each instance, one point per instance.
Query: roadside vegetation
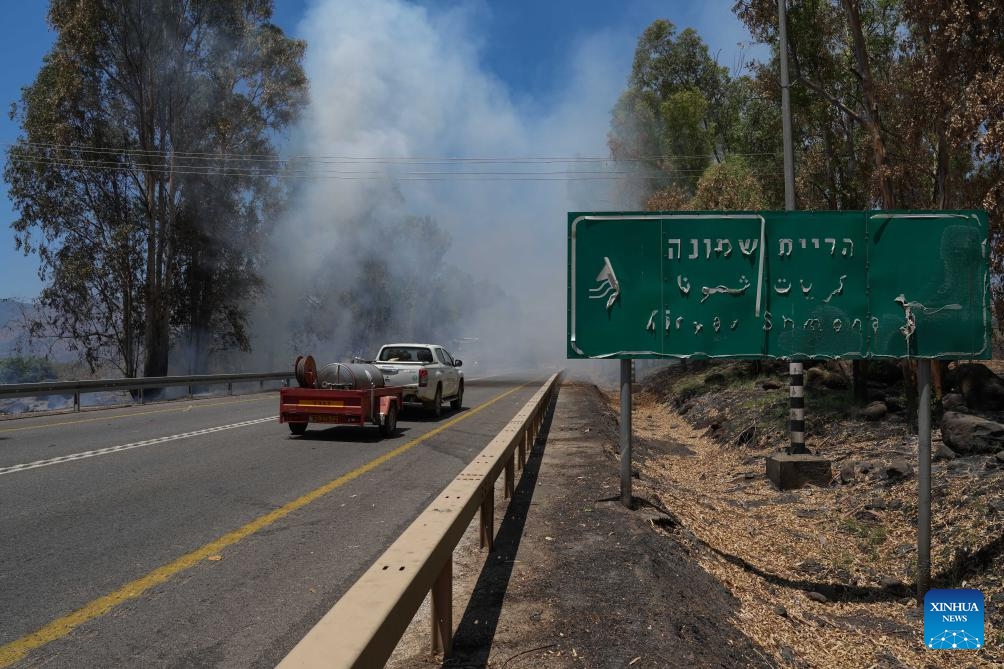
(826, 576)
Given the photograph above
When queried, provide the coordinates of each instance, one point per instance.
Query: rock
(875, 411)
(899, 468)
(811, 567)
(787, 654)
(817, 597)
(865, 467)
(876, 503)
(967, 434)
(890, 582)
(953, 402)
(903, 549)
(1000, 456)
(895, 504)
(982, 389)
(814, 377)
(996, 505)
(771, 384)
(847, 473)
(944, 453)
(864, 516)
(780, 610)
(835, 381)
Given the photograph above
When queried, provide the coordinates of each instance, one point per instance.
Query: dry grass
(771, 548)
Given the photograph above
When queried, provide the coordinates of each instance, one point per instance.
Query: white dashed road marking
(13, 469)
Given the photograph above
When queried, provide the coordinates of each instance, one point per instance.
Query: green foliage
(26, 370)
(729, 185)
(683, 113)
(128, 179)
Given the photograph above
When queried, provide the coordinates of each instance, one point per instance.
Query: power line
(561, 175)
(252, 157)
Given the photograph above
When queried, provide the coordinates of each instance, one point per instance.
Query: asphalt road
(201, 533)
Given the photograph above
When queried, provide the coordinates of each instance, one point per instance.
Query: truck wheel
(297, 428)
(437, 403)
(457, 403)
(389, 425)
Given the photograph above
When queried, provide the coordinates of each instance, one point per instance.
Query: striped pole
(796, 396)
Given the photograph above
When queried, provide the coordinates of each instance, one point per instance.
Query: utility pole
(796, 390)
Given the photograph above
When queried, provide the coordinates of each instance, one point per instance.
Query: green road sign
(794, 285)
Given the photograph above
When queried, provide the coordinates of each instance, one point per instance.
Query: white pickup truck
(428, 373)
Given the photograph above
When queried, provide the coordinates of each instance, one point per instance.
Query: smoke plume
(407, 249)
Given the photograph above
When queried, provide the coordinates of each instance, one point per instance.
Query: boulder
(875, 411)
(982, 389)
(953, 402)
(847, 473)
(967, 434)
(899, 468)
(944, 453)
(835, 381)
(771, 384)
(814, 377)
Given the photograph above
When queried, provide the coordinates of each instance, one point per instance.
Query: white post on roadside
(626, 433)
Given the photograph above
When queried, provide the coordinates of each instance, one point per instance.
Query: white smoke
(391, 79)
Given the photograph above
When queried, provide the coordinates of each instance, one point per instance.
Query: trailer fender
(386, 403)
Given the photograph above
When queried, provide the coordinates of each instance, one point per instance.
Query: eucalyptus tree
(145, 173)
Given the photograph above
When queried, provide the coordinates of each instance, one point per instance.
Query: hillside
(838, 560)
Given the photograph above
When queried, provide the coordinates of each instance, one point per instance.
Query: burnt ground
(715, 566)
(578, 580)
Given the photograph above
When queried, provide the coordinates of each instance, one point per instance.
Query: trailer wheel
(389, 425)
(457, 403)
(297, 428)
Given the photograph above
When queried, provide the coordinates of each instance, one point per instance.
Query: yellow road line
(60, 627)
(197, 404)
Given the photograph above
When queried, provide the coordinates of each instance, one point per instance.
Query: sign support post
(796, 409)
(626, 433)
(923, 479)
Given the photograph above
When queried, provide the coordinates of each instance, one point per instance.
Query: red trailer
(339, 394)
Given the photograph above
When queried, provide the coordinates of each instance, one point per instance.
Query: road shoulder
(577, 580)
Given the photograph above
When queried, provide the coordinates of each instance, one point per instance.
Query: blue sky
(524, 44)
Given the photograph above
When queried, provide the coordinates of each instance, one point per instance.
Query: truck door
(451, 376)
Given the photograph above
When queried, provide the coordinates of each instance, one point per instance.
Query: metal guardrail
(76, 388)
(365, 625)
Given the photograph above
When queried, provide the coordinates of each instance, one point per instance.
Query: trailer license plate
(322, 403)
(324, 418)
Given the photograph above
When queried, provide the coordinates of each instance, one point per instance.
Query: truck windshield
(405, 354)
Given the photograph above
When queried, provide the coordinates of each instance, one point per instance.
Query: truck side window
(441, 354)
(449, 358)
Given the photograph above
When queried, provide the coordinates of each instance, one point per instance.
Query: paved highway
(201, 533)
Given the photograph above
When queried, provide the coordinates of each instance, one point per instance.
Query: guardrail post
(442, 610)
(189, 391)
(142, 396)
(76, 401)
(510, 477)
(488, 518)
(522, 449)
(230, 387)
